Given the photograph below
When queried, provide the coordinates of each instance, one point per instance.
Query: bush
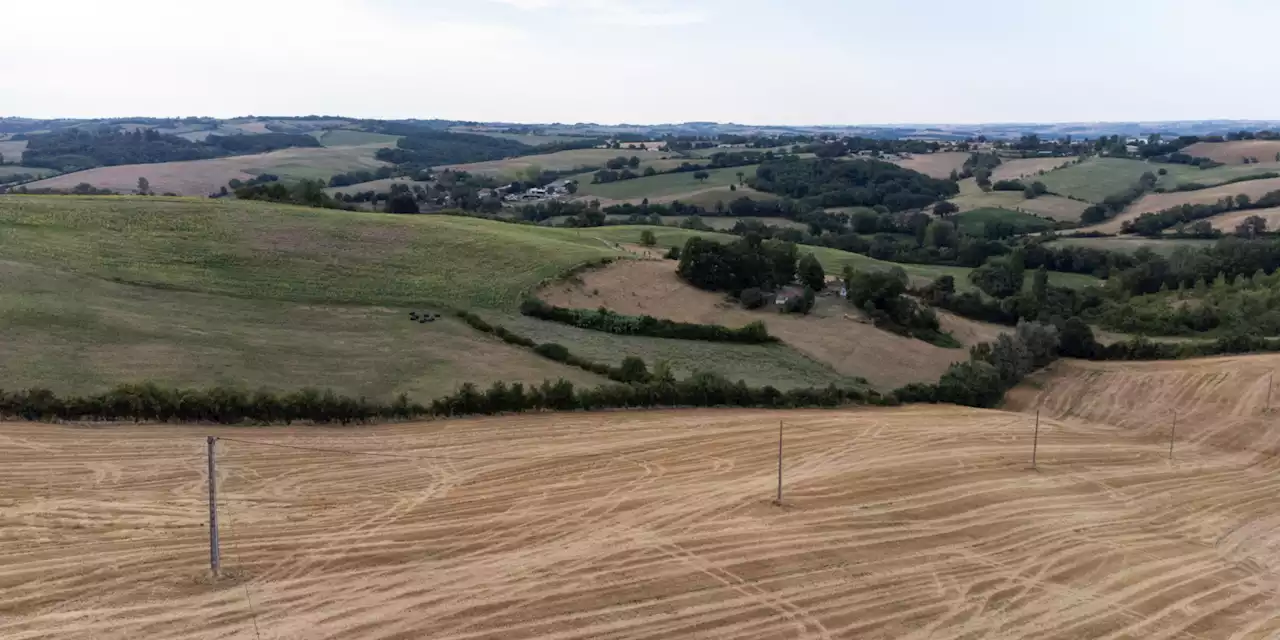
(647, 238)
(673, 253)
(753, 298)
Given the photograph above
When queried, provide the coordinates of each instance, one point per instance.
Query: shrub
(753, 298)
(647, 238)
(673, 253)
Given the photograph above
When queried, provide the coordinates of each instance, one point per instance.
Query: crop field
(777, 364)
(1153, 202)
(380, 186)
(937, 165)
(1027, 168)
(664, 185)
(911, 522)
(974, 221)
(202, 177)
(12, 150)
(833, 260)
(351, 138)
(834, 333)
(558, 161)
(1235, 151)
(1133, 243)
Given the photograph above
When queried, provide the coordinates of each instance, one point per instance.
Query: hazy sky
(645, 61)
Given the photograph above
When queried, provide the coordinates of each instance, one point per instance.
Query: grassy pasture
(1027, 169)
(351, 138)
(975, 220)
(937, 165)
(79, 334)
(833, 260)
(379, 186)
(664, 185)
(259, 250)
(1097, 178)
(778, 364)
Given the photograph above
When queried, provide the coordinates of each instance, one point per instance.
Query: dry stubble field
(915, 522)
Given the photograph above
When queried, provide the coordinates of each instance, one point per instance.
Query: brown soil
(915, 522)
(834, 333)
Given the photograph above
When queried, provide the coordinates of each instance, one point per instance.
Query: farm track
(916, 522)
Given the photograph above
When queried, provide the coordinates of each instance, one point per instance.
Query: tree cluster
(832, 183)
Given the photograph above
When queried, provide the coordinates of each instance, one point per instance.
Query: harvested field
(833, 333)
(1153, 202)
(1227, 222)
(1235, 151)
(1054, 208)
(937, 165)
(379, 186)
(1030, 168)
(558, 161)
(915, 522)
(12, 150)
(202, 177)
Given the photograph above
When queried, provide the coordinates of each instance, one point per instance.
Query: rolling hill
(203, 177)
(1235, 151)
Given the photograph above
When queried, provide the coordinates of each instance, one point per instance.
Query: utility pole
(779, 500)
(215, 556)
(1172, 429)
(1035, 443)
(1270, 382)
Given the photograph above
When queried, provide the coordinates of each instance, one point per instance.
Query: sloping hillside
(1235, 151)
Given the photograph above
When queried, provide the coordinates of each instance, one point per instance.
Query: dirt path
(918, 522)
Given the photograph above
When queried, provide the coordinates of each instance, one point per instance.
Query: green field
(259, 250)
(349, 138)
(777, 365)
(667, 184)
(81, 334)
(1133, 243)
(833, 260)
(1097, 178)
(975, 221)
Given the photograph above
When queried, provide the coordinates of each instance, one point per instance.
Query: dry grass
(202, 177)
(1227, 222)
(1029, 168)
(834, 333)
(1160, 201)
(558, 161)
(911, 522)
(1235, 151)
(12, 150)
(938, 165)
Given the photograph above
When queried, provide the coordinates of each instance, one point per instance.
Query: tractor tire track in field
(913, 522)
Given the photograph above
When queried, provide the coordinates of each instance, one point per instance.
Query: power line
(235, 549)
(379, 454)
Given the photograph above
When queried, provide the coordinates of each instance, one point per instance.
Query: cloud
(623, 13)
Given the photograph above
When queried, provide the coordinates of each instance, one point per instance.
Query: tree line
(77, 149)
(610, 322)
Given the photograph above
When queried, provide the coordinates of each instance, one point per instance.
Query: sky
(793, 62)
